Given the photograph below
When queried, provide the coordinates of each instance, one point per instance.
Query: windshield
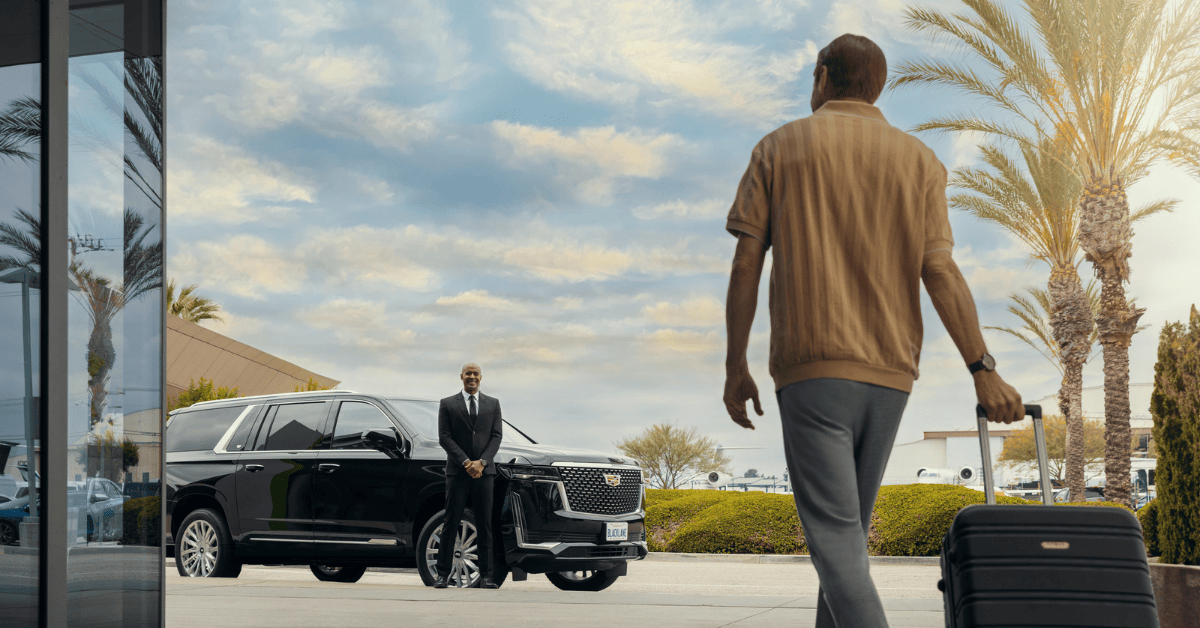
(423, 417)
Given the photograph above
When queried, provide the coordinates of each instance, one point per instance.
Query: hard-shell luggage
(1044, 565)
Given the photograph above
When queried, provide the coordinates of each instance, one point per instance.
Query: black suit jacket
(464, 439)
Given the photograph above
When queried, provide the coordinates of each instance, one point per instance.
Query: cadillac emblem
(612, 479)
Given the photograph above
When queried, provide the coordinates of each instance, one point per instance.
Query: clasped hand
(474, 468)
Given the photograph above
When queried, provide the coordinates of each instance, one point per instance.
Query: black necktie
(473, 412)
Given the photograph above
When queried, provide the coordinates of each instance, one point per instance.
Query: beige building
(195, 352)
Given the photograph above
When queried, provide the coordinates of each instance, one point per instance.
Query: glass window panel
(238, 441)
(297, 426)
(114, 322)
(354, 418)
(20, 312)
(198, 430)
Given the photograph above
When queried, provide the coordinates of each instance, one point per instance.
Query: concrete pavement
(661, 591)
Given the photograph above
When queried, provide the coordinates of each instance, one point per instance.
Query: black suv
(343, 481)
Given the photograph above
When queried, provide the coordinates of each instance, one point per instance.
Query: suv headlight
(529, 472)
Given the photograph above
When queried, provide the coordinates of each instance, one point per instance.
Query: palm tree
(1040, 210)
(20, 124)
(190, 306)
(1115, 83)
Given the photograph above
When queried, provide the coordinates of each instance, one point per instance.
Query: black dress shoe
(488, 583)
(441, 582)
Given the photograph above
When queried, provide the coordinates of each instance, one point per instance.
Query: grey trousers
(837, 436)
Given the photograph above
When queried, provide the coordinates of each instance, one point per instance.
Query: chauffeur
(469, 429)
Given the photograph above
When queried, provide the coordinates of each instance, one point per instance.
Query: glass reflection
(115, 320)
(20, 327)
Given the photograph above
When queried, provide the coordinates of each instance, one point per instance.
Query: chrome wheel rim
(8, 534)
(199, 549)
(577, 576)
(465, 571)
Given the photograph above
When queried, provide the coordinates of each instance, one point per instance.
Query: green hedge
(655, 496)
(670, 510)
(909, 520)
(1148, 516)
(752, 523)
(142, 521)
(912, 519)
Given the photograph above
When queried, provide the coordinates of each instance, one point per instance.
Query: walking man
(469, 429)
(854, 211)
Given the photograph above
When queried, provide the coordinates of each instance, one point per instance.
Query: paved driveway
(657, 592)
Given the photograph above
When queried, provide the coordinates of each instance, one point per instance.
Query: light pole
(27, 278)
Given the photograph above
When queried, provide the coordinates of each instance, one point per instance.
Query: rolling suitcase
(1044, 565)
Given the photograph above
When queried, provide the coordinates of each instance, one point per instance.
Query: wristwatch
(986, 363)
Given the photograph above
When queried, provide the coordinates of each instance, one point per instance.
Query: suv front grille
(588, 490)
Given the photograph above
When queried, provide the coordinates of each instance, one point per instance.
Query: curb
(783, 558)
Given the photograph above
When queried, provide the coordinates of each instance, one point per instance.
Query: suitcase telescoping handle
(1039, 437)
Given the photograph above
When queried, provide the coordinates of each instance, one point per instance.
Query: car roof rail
(275, 395)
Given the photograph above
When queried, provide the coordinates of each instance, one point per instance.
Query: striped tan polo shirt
(848, 205)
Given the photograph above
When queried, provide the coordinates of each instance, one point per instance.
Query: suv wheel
(331, 573)
(204, 548)
(582, 580)
(465, 571)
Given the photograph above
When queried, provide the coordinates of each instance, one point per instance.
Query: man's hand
(739, 387)
(1001, 401)
(474, 468)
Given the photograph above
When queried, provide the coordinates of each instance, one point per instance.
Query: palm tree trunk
(1105, 234)
(1071, 322)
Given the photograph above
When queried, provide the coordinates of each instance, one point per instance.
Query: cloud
(222, 183)
(362, 322)
(590, 158)
(426, 25)
(705, 311)
(245, 265)
(473, 299)
(695, 210)
(669, 51)
(686, 342)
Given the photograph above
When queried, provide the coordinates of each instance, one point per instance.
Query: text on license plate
(616, 531)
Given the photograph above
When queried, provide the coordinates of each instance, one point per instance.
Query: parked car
(343, 481)
(12, 511)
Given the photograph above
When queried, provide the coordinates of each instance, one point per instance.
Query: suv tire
(338, 573)
(582, 580)
(427, 550)
(203, 548)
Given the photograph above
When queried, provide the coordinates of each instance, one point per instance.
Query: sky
(382, 191)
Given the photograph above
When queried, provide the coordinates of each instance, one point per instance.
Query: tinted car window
(237, 441)
(421, 415)
(354, 418)
(296, 426)
(198, 430)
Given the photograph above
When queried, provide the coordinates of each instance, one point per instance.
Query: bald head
(471, 376)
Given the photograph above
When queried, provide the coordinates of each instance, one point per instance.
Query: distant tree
(96, 455)
(1020, 447)
(311, 386)
(751, 473)
(204, 391)
(189, 305)
(670, 454)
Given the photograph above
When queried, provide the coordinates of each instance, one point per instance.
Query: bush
(142, 521)
(1148, 517)
(663, 519)
(751, 523)
(1175, 405)
(912, 519)
(656, 496)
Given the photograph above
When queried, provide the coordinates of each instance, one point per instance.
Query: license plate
(616, 531)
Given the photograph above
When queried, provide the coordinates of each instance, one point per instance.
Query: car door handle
(254, 468)
(327, 467)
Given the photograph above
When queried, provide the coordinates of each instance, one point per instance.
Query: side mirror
(385, 440)
(99, 497)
